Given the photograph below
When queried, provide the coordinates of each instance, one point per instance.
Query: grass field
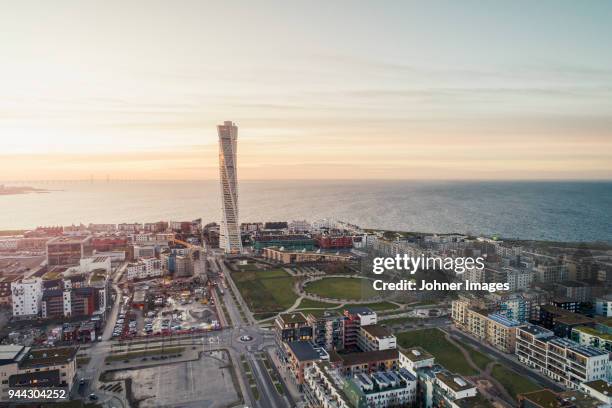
(144, 353)
(478, 358)
(513, 382)
(266, 291)
(313, 304)
(434, 342)
(342, 288)
(376, 306)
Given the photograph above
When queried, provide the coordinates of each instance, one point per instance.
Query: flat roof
(10, 352)
(600, 385)
(297, 317)
(455, 382)
(536, 330)
(367, 356)
(48, 357)
(501, 319)
(577, 347)
(416, 354)
(362, 310)
(69, 240)
(305, 351)
(377, 330)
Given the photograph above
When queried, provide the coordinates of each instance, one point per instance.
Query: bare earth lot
(205, 383)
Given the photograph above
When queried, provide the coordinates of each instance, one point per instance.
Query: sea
(558, 211)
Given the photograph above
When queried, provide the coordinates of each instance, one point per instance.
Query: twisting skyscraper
(229, 238)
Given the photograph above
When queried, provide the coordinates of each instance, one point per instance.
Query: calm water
(570, 211)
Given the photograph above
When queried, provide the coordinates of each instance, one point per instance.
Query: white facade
(560, 359)
(519, 279)
(8, 244)
(145, 268)
(455, 387)
(603, 306)
(415, 358)
(93, 263)
(26, 297)
(144, 251)
(299, 226)
(229, 239)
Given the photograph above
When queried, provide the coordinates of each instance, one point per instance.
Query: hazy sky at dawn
(319, 89)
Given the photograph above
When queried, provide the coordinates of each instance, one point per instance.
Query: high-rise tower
(229, 238)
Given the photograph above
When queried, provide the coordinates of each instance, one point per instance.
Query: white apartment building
(135, 227)
(9, 243)
(603, 305)
(102, 227)
(561, 359)
(519, 279)
(550, 273)
(326, 387)
(383, 389)
(144, 251)
(299, 226)
(26, 297)
(145, 268)
(93, 263)
(374, 337)
(454, 387)
(415, 358)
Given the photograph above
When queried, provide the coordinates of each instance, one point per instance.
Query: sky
(319, 89)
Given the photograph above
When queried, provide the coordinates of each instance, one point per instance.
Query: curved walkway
(300, 291)
(485, 374)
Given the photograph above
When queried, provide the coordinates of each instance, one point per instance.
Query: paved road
(224, 339)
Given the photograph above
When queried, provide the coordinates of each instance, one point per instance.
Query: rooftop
(576, 347)
(455, 382)
(416, 354)
(376, 330)
(11, 353)
(48, 357)
(600, 386)
(537, 330)
(501, 319)
(69, 240)
(288, 318)
(306, 351)
(566, 317)
(362, 310)
(350, 359)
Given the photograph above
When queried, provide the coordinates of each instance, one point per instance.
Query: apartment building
(327, 329)
(560, 359)
(26, 297)
(68, 250)
(355, 319)
(24, 367)
(365, 361)
(375, 337)
(300, 355)
(492, 328)
(324, 387)
(415, 358)
(292, 327)
(144, 269)
(599, 336)
(450, 388)
(395, 388)
(603, 305)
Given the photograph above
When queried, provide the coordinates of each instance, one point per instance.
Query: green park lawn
(513, 382)
(434, 342)
(266, 291)
(342, 288)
